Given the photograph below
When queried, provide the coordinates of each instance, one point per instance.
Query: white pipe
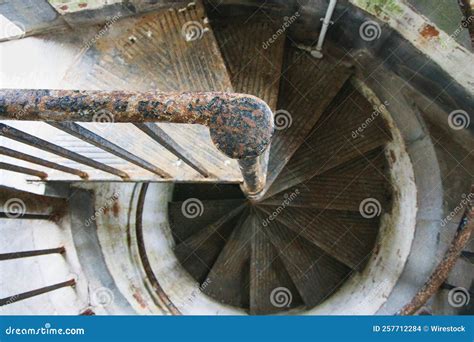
(326, 21)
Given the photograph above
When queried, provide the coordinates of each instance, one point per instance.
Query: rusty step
(347, 237)
(17, 204)
(191, 215)
(348, 129)
(254, 67)
(271, 287)
(346, 187)
(307, 88)
(199, 252)
(229, 279)
(315, 274)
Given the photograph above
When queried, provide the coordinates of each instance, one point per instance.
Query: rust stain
(116, 209)
(429, 31)
(139, 299)
(82, 5)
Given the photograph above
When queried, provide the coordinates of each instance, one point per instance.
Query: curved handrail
(240, 125)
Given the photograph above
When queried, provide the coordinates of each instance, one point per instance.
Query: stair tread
(199, 252)
(316, 274)
(229, 279)
(344, 187)
(335, 139)
(345, 236)
(254, 69)
(184, 191)
(308, 86)
(271, 287)
(188, 217)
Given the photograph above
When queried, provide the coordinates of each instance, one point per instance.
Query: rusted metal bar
(24, 170)
(31, 140)
(254, 171)
(241, 125)
(34, 293)
(166, 301)
(31, 159)
(84, 134)
(27, 254)
(443, 269)
(161, 137)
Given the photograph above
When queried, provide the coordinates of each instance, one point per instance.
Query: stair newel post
(254, 172)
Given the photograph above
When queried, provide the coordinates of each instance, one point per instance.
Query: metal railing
(241, 126)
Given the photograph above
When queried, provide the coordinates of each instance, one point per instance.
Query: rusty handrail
(241, 126)
(441, 272)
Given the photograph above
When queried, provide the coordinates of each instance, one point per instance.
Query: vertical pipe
(317, 53)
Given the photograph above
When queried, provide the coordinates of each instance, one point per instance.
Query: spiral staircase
(112, 217)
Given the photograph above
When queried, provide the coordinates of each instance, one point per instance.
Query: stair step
(254, 68)
(184, 191)
(345, 236)
(152, 52)
(335, 139)
(21, 204)
(307, 88)
(316, 274)
(271, 287)
(199, 252)
(229, 279)
(343, 188)
(190, 216)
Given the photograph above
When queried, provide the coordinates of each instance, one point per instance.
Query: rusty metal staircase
(284, 217)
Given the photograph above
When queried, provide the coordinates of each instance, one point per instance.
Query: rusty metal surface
(27, 254)
(96, 140)
(441, 273)
(31, 140)
(160, 136)
(32, 159)
(34, 293)
(241, 125)
(24, 170)
(254, 173)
